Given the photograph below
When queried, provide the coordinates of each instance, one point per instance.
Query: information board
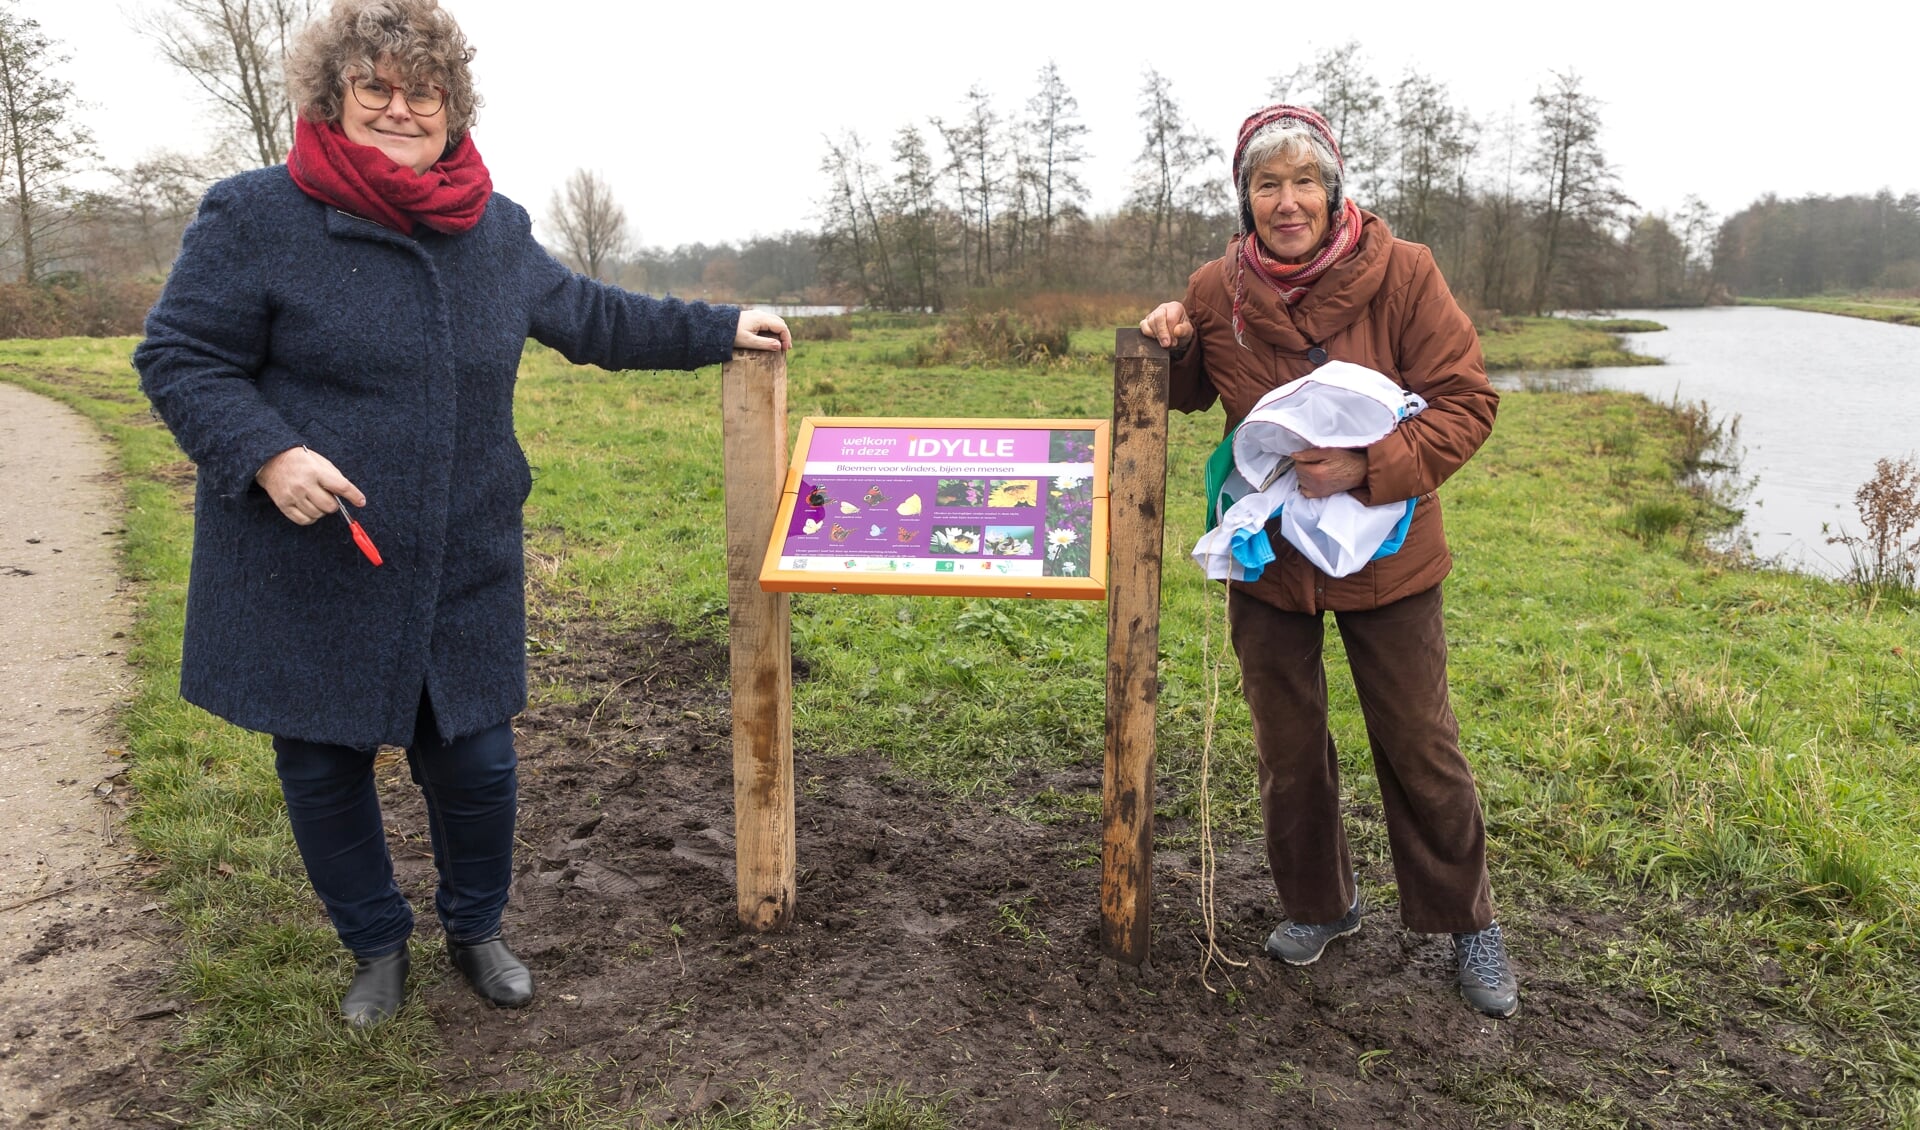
(953, 507)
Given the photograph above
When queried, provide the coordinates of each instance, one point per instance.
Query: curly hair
(418, 38)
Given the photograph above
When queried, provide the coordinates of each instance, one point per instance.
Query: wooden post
(753, 412)
(1137, 495)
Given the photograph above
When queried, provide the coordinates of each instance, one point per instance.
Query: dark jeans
(469, 785)
(1398, 655)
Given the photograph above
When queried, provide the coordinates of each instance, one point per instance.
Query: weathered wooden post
(1137, 490)
(753, 412)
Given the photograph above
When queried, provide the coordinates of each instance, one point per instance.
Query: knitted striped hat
(1284, 114)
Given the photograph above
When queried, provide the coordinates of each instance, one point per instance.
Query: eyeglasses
(372, 94)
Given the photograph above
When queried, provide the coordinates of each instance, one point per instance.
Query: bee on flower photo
(1010, 541)
(955, 540)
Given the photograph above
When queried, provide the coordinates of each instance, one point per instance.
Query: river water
(1819, 397)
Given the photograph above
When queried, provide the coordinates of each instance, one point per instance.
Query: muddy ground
(952, 947)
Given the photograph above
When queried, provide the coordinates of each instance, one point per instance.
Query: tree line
(1787, 248)
(1523, 211)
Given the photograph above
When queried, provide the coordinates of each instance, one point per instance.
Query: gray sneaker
(1300, 943)
(1486, 976)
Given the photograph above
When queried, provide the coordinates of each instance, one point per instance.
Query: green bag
(1219, 467)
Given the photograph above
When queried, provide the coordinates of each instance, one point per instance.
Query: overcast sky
(707, 118)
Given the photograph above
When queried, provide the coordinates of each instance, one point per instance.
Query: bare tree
(854, 174)
(1338, 84)
(976, 159)
(1169, 192)
(844, 241)
(918, 216)
(1433, 141)
(157, 197)
(592, 226)
(1697, 225)
(1579, 198)
(40, 145)
(953, 138)
(236, 51)
(1055, 130)
(1500, 214)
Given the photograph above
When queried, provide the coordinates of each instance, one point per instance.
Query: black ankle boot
(490, 967)
(379, 986)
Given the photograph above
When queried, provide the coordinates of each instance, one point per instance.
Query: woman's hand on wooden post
(761, 330)
(303, 485)
(1168, 325)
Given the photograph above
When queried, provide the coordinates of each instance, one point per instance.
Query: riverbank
(1709, 894)
(1762, 366)
(1899, 311)
(1562, 343)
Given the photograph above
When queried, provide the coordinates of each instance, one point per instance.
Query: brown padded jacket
(1385, 307)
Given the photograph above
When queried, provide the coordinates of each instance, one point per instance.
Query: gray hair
(1291, 141)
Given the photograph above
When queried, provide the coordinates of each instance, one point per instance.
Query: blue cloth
(1399, 535)
(287, 322)
(470, 788)
(1253, 549)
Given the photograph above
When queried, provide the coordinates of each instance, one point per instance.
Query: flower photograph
(960, 492)
(955, 540)
(1010, 541)
(1069, 526)
(1009, 493)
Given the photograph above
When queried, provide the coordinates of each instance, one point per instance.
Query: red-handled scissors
(360, 537)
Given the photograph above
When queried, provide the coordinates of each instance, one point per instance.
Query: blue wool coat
(288, 322)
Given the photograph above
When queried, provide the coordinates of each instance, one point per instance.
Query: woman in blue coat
(344, 331)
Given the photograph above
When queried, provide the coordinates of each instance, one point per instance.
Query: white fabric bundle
(1340, 404)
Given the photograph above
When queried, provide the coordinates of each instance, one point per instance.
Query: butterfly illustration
(904, 535)
(838, 533)
(812, 525)
(849, 508)
(817, 496)
(873, 531)
(874, 497)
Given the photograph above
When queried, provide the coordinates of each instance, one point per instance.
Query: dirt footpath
(80, 996)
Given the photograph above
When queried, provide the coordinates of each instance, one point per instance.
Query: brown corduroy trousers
(1398, 655)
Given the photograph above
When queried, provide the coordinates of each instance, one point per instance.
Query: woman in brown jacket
(1312, 278)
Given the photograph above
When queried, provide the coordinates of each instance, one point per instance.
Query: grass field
(1721, 762)
(1877, 308)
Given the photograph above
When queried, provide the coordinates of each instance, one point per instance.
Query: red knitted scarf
(1290, 282)
(449, 197)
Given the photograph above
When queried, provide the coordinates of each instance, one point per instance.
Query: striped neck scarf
(1288, 282)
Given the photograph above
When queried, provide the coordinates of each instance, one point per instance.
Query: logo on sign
(943, 566)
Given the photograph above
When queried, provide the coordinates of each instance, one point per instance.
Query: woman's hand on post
(303, 485)
(1326, 471)
(761, 330)
(1168, 325)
